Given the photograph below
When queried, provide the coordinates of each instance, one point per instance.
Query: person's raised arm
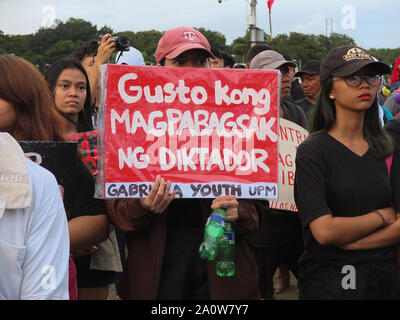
(104, 52)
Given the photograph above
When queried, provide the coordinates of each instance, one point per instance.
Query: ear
(332, 93)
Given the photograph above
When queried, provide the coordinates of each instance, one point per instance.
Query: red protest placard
(211, 132)
(87, 145)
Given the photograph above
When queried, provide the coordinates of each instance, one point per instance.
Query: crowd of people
(71, 245)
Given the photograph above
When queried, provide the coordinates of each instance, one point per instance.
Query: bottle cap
(220, 211)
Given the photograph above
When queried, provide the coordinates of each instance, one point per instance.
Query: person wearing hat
(183, 47)
(279, 240)
(255, 50)
(347, 186)
(164, 234)
(271, 59)
(310, 83)
(132, 57)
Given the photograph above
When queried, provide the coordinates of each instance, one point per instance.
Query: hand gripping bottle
(226, 253)
(213, 230)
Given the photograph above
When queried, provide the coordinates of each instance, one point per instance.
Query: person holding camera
(92, 55)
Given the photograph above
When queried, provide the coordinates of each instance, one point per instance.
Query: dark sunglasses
(355, 81)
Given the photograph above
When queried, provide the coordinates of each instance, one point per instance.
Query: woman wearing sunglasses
(348, 201)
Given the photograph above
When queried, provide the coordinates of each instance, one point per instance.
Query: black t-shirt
(294, 113)
(306, 105)
(184, 213)
(330, 178)
(84, 204)
(296, 90)
(182, 266)
(81, 194)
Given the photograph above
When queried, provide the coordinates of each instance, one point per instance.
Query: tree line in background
(50, 44)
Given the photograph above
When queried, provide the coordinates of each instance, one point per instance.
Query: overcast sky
(371, 23)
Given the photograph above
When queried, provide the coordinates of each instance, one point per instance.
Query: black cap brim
(351, 68)
(300, 73)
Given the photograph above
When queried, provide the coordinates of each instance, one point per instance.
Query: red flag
(270, 3)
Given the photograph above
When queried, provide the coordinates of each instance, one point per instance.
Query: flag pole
(269, 4)
(270, 24)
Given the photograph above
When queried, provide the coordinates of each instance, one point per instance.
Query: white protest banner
(290, 136)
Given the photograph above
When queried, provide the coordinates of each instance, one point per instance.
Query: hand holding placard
(159, 196)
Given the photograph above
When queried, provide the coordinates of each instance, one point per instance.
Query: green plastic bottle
(213, 230)
(226, 252)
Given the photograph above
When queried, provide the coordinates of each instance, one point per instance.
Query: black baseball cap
(346, 60)
(310, 67)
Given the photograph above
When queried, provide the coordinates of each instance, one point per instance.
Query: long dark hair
(23, 86)
(323, 116)
(85, 115)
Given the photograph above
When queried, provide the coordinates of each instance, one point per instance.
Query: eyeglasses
(355, 81)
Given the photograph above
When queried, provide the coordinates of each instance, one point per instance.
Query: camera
(122, 43)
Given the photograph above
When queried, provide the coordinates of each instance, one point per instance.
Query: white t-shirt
(34, 243)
